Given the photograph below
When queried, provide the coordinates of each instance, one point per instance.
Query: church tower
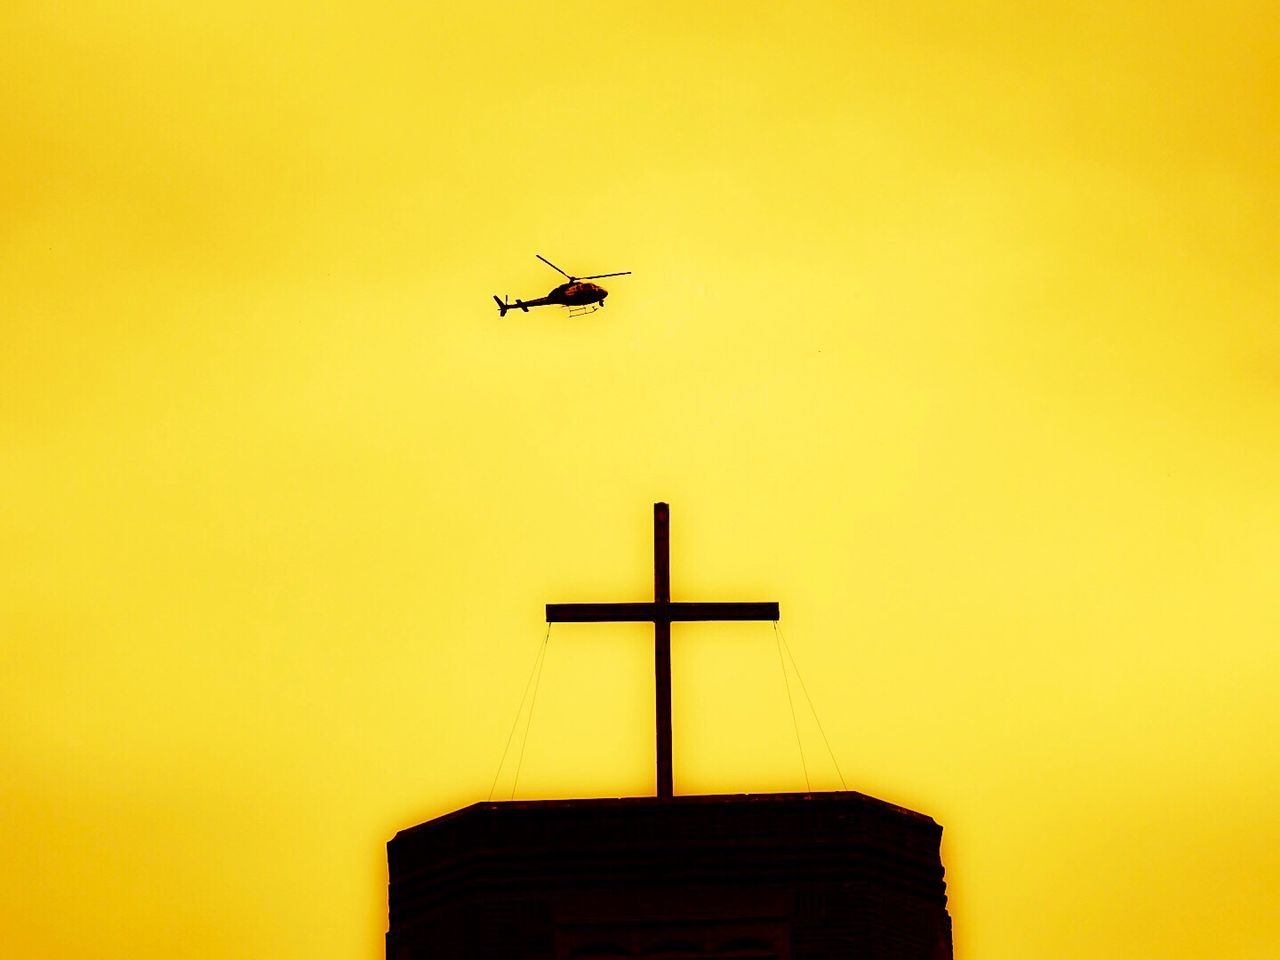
(811, 876)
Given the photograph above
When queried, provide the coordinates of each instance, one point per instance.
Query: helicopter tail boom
(524, 305)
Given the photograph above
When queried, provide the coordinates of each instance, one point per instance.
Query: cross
(661, 612)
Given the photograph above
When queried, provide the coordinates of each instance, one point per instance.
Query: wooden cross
(661, 613)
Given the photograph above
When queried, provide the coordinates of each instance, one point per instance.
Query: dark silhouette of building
(789, 876)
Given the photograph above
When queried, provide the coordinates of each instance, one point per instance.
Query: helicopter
(581, 298)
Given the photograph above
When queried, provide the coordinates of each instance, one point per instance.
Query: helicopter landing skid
(584, 310)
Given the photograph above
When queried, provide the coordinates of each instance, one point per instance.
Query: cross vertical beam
(662, 645)
(660, 613)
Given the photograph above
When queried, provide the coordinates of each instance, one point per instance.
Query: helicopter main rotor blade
(553, 266)
(601, 276)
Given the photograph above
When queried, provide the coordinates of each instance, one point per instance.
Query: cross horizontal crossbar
(658, 612)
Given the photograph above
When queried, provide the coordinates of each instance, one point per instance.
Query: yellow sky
(952, 328)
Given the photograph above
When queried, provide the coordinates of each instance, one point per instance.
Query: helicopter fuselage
(574, 294)
(578, 294)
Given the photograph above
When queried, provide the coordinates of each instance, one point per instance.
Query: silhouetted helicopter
(581, 298)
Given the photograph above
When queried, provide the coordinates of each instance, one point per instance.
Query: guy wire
(533, 702)
(519, 710)
(791, 703)
(812, 709)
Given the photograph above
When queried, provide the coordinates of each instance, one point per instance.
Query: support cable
(812, 708)
(533, 702)
(537, 660)
(791, 703)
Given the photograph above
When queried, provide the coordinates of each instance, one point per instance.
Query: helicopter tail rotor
(502, 307)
